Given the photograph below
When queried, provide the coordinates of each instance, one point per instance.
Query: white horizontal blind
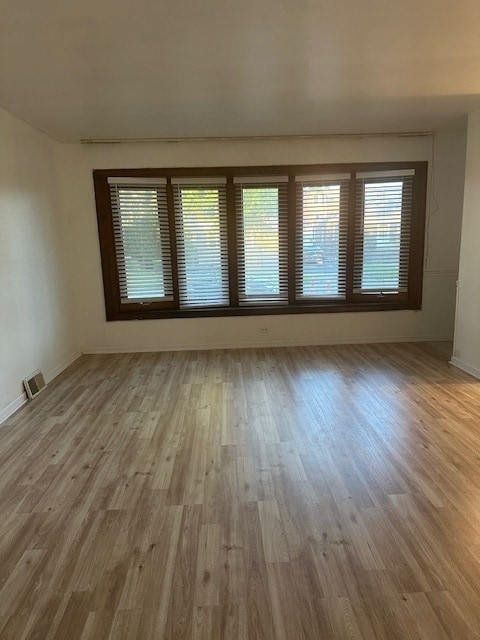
(142, 240)
(321, 245)
(382, 233)
(201, 226)
(261, 207)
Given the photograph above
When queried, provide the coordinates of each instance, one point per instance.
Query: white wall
(50, 276)
(467, 325)
(35, 327)
(433, 322)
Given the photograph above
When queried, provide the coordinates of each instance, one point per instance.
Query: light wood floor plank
(305, 493)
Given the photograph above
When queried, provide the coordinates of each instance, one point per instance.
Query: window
(142, 239)
(261, 206)
(322, 223)
(201, 226)
(261, 240)
(382, 242)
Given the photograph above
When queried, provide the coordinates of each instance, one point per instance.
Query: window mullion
(240, 238)
(173, 241)
(283, 239)
(405, 235)
(120, 255)
(417, 237)
(292, 239)
(351, 232)
(165, 242)
(232, 244)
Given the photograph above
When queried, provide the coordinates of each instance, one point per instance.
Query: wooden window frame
(223, 232)
(116, 310)
(304, 299)
(155, 304)
(283, 242)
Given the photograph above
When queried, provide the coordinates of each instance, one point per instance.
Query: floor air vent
(34, 384)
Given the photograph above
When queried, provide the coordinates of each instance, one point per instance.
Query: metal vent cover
(34, 384)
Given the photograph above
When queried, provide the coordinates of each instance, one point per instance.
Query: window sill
(327, 307)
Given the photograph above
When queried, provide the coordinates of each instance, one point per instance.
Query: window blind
(382, 232)
(261, 206)
(243, 241)
(321, 238)
(142, 239)
(201, 227)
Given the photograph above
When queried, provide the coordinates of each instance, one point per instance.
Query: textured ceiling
(151, 69)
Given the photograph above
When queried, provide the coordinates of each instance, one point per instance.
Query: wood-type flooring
(281, 494)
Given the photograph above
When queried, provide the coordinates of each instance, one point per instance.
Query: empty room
(239, 320)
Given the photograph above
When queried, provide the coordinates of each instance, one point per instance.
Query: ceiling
(99, 69)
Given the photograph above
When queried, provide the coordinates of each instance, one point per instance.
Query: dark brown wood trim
(173, 242)
(232, 244)
(284, 240)
(240, 255)
(393, 298)
(177, 172)
(115, 310)
(351, 230)
(250, 310)
(417, 236)
(292, 227)
(111, 284)
(406, 232)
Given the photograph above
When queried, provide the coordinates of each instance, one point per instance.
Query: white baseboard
(464, 366)
(50, 375)
(13, 406)
(255, 344)
(53, 373)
